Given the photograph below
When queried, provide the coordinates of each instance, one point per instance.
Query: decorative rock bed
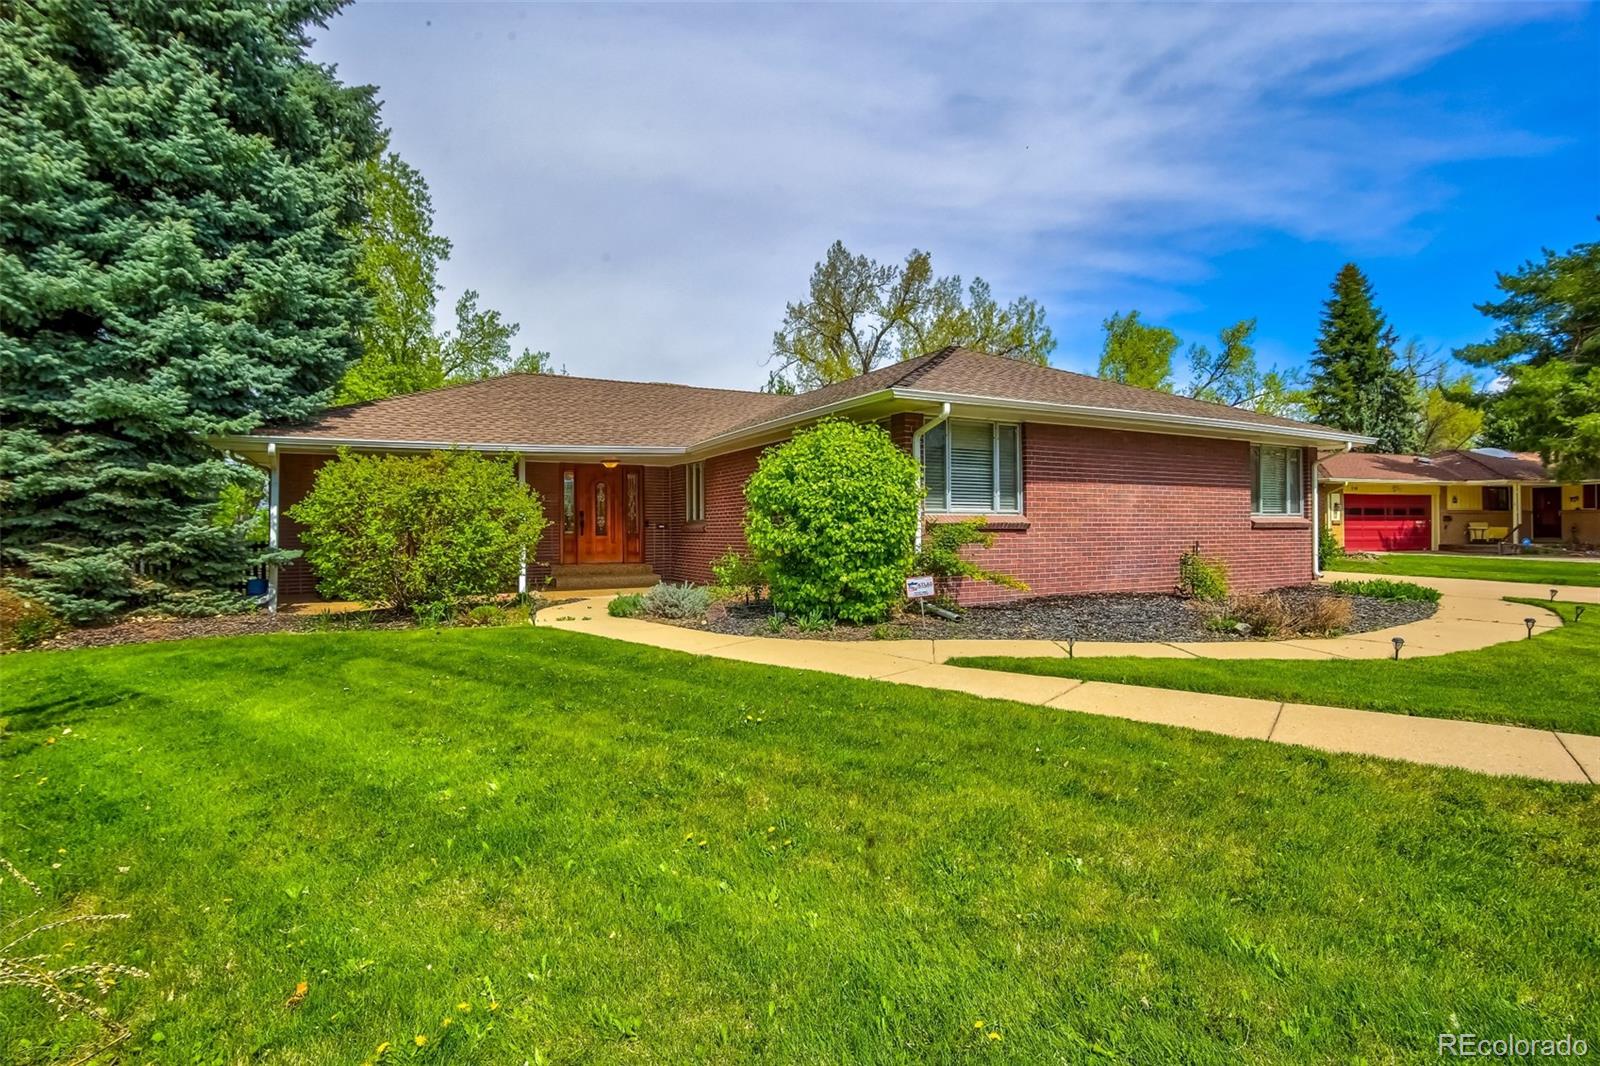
(1146, 617)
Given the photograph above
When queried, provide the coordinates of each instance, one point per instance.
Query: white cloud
(643, 187)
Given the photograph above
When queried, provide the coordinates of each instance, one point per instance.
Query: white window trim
(932, 506)
(694, 492)
(1296, 499)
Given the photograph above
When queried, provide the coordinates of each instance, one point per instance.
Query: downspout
(272, 524)
(916, 454)
(1316, 514)
(522, 564)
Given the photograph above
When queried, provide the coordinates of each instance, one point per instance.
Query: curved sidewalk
(1475, 619)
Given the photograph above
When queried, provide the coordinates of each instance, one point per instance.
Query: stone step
(603, 576)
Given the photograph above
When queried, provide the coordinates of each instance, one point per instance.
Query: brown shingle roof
(541, 409)
(559, 411)
(1445, 466)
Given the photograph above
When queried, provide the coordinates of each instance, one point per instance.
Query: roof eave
(620, 451)
(1146, 421)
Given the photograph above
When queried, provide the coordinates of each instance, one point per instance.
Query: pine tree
(177, 186)
(1356, 384)
(1546, 348)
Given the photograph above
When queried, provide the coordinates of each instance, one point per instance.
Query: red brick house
(1089, 485)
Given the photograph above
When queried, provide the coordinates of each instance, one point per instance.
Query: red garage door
(1388, 523)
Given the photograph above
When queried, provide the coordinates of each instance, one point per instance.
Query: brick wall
(545, 479)
(1112, 511)
(296, 475)
(694, 546)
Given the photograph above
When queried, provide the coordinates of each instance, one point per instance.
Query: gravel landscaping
(1107, 617)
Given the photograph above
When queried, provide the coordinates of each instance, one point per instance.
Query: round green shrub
(832, 516)
(418, 531)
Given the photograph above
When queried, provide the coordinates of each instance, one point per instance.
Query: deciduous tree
(861, 315)
(1135, 353)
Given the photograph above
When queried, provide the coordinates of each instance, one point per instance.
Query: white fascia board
(553, 451)
(1144, 421)
(810, 414)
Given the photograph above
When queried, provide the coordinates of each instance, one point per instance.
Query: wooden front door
(1546, 513)
(600, 514)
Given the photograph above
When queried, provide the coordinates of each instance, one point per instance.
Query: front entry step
(602, 576)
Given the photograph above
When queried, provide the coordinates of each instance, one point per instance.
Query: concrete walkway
(1471, 615)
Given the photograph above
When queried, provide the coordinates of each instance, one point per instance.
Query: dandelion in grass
(463, 1006)
(419, 1040)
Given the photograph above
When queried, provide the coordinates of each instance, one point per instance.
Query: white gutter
(916, 456)
(1316, 518)
(809, 414)
(553, 450)
(1246, 430)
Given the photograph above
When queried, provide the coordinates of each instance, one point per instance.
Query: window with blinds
(1275, 480)
(973, 466)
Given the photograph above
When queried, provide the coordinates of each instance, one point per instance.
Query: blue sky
(643, 187)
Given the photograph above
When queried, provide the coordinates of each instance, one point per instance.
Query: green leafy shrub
(1202, 578)
(1383, 588)
(832, 515)
(738, 575)
(1329, 551)
(676, 601)
(416, 530)
(813, 622)
(25, 621)
(940, 555)
(626, 606)
(485, 614)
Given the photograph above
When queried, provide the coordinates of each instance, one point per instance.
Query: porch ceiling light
(609, 464)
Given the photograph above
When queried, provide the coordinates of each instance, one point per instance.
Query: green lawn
(1550, 682)
(1530, 569)
(638, 856)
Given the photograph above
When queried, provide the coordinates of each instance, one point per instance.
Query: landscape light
(1552, 595)
(1577, 613)
(1398, 642)
(1530, 622)
(1070, 642)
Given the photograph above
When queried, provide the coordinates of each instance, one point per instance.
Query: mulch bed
(1133, 617)
(149, 630)
(153, 629)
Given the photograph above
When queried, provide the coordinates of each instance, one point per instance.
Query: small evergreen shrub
(1383, 588)
(738, 575)
(414, 531)
(677, 601)
(1202, 578)
(1329, 551)
(626, 606)
(831, 520)
(940, 555)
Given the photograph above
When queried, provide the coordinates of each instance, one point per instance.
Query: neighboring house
(1377, 502)
(1089, 485)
